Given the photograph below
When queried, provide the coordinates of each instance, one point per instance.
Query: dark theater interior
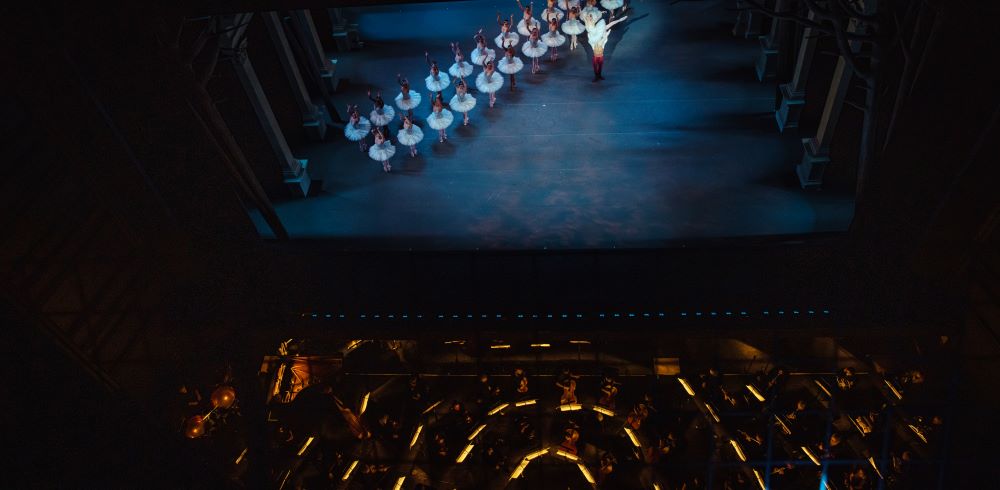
(497, 244)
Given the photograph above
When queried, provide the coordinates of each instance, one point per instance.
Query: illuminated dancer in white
(611, 5)
(382, 150)
(436, 81)
(357, 127)
(382, 114)
(551, 12)
(573, 26)
(407, 100)
(506, 37)
(481, 52)
(489, 81)
(569, 4)
(409, 134)
(461, 68)
(510, 64)
(553, 39)
(440, 117)
(528, 22)
(462, 101)
(534, 48)
(597, 36)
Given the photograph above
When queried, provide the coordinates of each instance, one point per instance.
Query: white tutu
(568, 4)
(592, 12)
(534, 49)
(462, 104)
(553, 39)
(382, 152)
(612, 4)
(410, 137)
(410, 103)
(440, 120)
(511, 39)
(479, 56)
(359, 132)
(438, 85)
(383, 117)
(555, 14)
(511, 66)
(460, 71)
(491, 86)
(573, 27)
(524, 29)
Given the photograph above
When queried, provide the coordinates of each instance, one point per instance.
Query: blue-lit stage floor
(678, 144)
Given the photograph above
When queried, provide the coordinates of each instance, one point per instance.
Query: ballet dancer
(382, 150)
(510, 64)
(553, 39)
(597, 38)
(481, 52)
(591, 11)
(527, 22)
(551, 12)
(489, 81)
(382, 114)
(611, 5)
(440, 117)
(506, 37)
(534, 48)
(436, 81)
(573, 26)
(407, 100)
(569, 4)
(409, 134)
(462, 101)
(461, 68)
(357, 127)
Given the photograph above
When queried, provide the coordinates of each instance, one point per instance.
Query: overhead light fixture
(520, 469)
(541, 345)
(242, 454)
(524, 403)
(540, 452)
(416, 434)
(350, 469)
(586, 473)
(756, 393)
(432, 407)
(364, 403)
(459, 342)
(497, 409)
(465, 452)
(605, 411)
(871, 461)
(687, 387)
(823, 387)
(579, 341)
(711, 411)
(500, 346)
(399, 483)
(476, 432)
(738, 449)
(916, 430)
(632, 437)
(811, 455)
(784, 426)
(656, 486)
(895, 391)
(305, 446)
(760, 479)
(569, 456)
(569, 407)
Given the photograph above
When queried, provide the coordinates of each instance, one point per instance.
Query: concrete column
(312, 120)
(305, 28)
(233, 45)
(748, 22)
(793, 94)
(770, 45)
(816, 156)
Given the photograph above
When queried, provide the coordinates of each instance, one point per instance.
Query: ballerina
(569, 4)
(436, 81)
(357, 127)
(407, 100)
(573, 26)
(553, 38)
(597, 38)
(611, 5)
(488, 81)
(409, 134)
(382, 150)
(591, 11)
(551, 12)
(461, 68)
(534, 48)
(510, 64)
(481, 52)
(506, 37)
(381, 114)
(462, 101)
(528, 22)
(440, 117)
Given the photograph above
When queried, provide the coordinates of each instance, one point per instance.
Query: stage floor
(677, 145)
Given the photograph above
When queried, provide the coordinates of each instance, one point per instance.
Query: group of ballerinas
(564, 15)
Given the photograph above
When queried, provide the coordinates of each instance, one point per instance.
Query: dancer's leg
(600, 68)
(466, 122)
(440, 136)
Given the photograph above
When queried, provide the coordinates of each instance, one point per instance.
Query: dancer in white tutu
(462, 101)
(506, 37)
(569, 4)
(528, 22)
(489, 81)
(481, 52)
(381, 114)
(591, 12)
(573, 26)
(440, 117)
(534, 48)
(551, 12)
(461, 68)
(611, 5)
(357, 127)
(510, 64)
(436, 81)
(553, 39)
(407, 100)
(382, 150)
(409, 134)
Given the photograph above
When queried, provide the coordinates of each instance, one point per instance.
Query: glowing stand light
(586, 473)
(399, 483)
(241, 456)
(895, 391)
(760, 479)
(738, 449)
(569, 407)
(711, 411)
(432, 407)
(540, 452)
(305, 446)
(603, 410)
(520, 469)
(416, 434)
(632, 437)
(811, 455)
(756, 393)
(350, 469)
(497, 409)
(476, 432)
(465, 452)
(687, 387)
(364, 403)
(524, 403)
(569, 456)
